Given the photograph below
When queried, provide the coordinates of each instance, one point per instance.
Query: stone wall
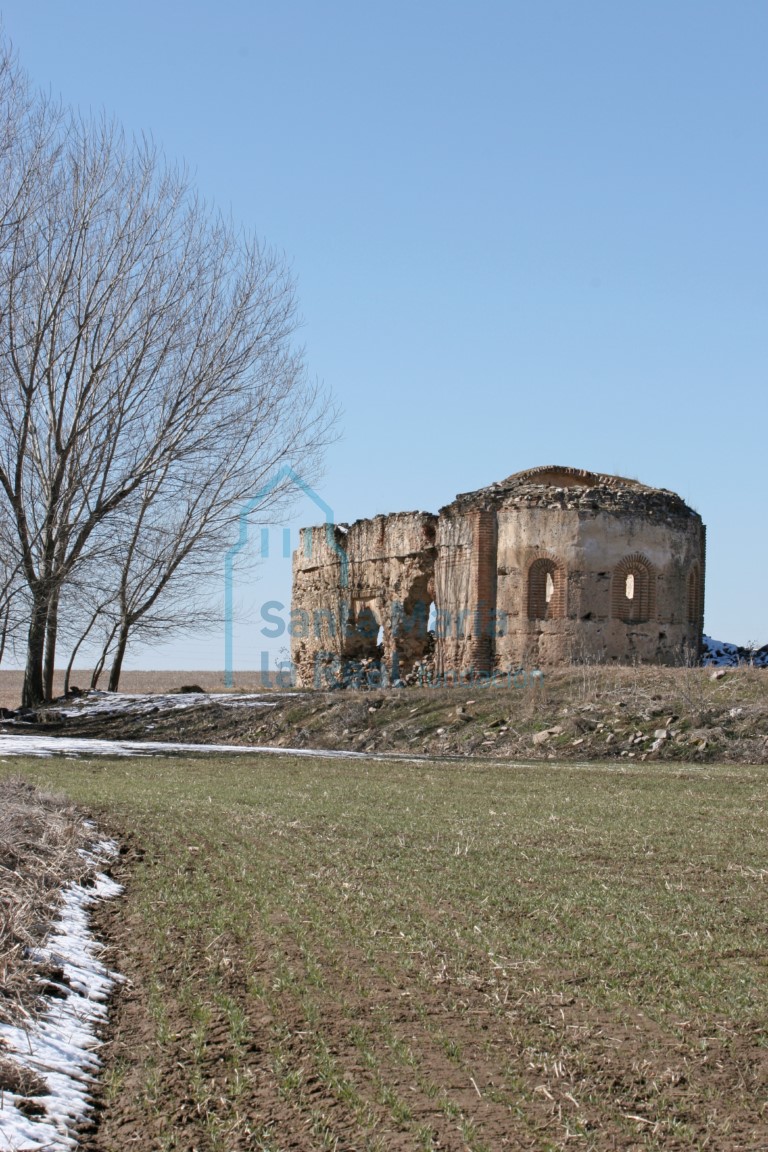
(361, 595)
(552, 565)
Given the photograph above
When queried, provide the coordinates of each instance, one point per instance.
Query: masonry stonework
(552, 565)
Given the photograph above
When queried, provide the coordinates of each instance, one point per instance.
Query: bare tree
(172, 534)
(182, 524)
(12, 588)
(145, 347)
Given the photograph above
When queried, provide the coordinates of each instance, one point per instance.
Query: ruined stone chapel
(551, 565)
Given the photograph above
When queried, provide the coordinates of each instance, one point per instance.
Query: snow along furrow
(60, 1046)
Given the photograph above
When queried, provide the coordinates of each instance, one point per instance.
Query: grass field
(388, 956)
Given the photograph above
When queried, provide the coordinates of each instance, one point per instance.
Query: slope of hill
(582, 712)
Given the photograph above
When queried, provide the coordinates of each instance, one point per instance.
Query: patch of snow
(719, 653)
(60, 1047)
(138, 703)
(34, 745)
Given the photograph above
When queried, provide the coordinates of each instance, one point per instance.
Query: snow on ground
(725, 655)
(34, 745)
(135, 703)
(60, 1047)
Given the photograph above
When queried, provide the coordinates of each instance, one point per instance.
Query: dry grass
(578, 712)
(39, 839)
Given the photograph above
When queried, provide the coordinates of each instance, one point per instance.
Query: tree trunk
(4, 634)
(68, 673)
(102, 658)
(33, 692)
(117, 660)
(97, 669)
(75, 651)
(51, 630)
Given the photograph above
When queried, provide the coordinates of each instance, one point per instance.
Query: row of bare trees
(148, 386)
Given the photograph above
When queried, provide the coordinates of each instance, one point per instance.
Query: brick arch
(641, 605)
(540, 569)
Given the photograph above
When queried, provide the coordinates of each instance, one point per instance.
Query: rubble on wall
(594, 493)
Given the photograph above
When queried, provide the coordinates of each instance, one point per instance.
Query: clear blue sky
(523, 233)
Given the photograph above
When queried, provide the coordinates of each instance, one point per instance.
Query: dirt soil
(583, 713)
(590, 1081)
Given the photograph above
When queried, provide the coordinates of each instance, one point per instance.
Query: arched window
(546, 590)
(634, 590)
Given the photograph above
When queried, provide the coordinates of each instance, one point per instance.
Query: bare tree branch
(146, 369)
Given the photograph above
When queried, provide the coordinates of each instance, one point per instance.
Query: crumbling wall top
(378, 537)
(560, 487)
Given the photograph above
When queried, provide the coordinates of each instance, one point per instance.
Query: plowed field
(362, 956)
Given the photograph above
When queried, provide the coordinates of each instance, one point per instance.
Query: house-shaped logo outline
(289, 473)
